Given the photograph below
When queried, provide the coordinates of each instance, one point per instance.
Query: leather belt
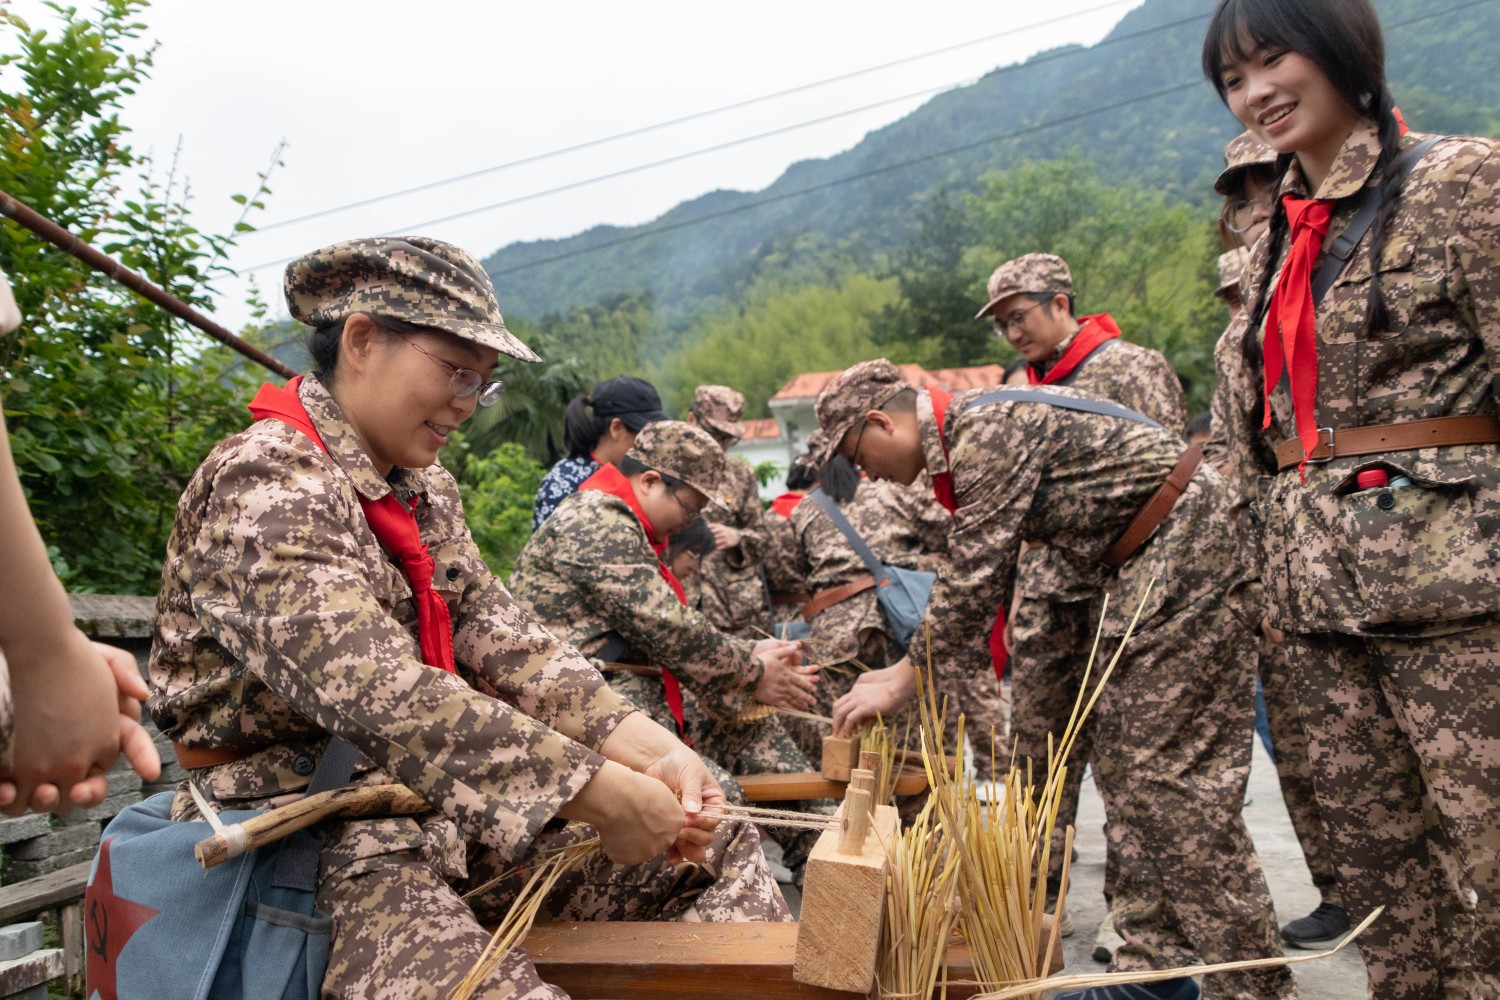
(639, 669)
(196, 757)
(796, 597)
(1156, 509)
(1409, 435)
(825, 599)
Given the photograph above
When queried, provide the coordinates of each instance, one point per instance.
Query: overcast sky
(377, 96)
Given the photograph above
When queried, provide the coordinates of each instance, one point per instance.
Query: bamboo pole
(65, 241)
(269, 827)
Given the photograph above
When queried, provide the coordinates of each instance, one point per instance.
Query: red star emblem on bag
(109, 922)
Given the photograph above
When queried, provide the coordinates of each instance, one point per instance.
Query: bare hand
(702, 801)
(877, 692)
(785, 681)
(1273, 634)
(78, 706)
(725, 537)
(637, 817)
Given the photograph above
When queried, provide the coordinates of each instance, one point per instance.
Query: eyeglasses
(1239, 215)
(858, 440)
(465, 382)
(1015, 319)
(691, 512)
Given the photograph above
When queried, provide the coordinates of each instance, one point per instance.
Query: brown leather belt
(825, 599)
(1156, 509)
(196, 757)
(1341, 442)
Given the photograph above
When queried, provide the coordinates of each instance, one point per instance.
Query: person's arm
(75, 704)
(743, 540)
(1472, 248)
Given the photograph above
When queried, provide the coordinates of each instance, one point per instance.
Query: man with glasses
(1051, 622)
(594, 574)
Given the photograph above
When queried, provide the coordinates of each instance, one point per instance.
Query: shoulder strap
(297, 858)
(866, 554)
(1083, 405)
(1339, 249)
(1091, 355)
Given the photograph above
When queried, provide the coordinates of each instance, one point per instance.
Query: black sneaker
(1322, 926)
(1171, 989)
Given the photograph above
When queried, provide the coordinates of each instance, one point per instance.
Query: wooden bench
(60, 895)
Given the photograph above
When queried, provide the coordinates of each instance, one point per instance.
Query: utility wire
(695, 116)
(864, 175)
(719, 147)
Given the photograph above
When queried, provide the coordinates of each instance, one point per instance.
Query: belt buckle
(1308, 459)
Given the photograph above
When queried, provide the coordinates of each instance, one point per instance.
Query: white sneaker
(1106, 940)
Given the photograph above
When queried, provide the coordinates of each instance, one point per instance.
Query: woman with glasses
(321, 592)
(1365, 398)
(1247, 184)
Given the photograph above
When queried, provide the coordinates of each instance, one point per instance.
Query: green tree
(111, 404)
(498, 487)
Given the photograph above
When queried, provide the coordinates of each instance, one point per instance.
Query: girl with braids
(1358, 402)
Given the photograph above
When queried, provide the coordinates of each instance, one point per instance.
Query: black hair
(581, 428)
(1343, 39)
(1203, 423)
(694, 537)
(803, 475)
(1045, 298)
(323, 342)
(631, 466)
(839, 478)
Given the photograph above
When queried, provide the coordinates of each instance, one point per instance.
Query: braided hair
(1343, 39)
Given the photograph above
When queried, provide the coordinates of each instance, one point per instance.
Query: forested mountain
(1135, 106)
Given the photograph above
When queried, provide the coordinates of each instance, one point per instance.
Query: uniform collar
(1351, 169)
(343, 446)
(932, 442)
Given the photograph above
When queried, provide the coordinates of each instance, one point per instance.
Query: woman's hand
(638, 817)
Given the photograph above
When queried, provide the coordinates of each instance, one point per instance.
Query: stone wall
(34, 845)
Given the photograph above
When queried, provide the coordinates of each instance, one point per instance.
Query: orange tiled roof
(765, 429)
(807, 386)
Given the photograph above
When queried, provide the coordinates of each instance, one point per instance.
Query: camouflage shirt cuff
(606, 710)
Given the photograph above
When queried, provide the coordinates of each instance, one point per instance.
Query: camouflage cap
(1033, 272)
(1243, 152)
(1232, 266)
(817, 446)
(683, 452)
(843, 403)
(719, 408)
(412, 278)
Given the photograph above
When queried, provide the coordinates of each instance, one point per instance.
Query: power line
(719, 147)
(695, 116)
(901, 165)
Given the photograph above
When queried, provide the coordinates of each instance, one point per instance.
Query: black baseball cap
(634, 400)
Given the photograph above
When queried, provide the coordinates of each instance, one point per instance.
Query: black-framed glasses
(691, 512)
(1015, 319)
(859, 439)
(465, 382)
(1240, 215)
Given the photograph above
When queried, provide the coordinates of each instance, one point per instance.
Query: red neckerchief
(612, 481)
(785, 504)
(1094, 331)
(394, 525)
(942, 482)
(1291, 321)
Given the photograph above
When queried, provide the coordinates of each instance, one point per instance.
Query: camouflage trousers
(1294, 769)
(730, 748)
(1405, 746)
(1051, 642)
(403, 932)
(1171, 759)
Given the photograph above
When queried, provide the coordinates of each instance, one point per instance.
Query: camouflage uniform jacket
(903, 525)
(1335, 560)
(281, 620)
(1028, 471)
(782, 574)
(1133, 376)
(591, 570)
(732, 594)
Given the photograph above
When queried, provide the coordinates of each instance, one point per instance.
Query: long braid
(1377, 317)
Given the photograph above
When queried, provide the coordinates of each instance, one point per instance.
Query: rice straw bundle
(522, 913)
(876, 737)
(921, 908)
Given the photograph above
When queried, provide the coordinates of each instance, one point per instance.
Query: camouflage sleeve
(748, 519)
(781, 556)
(995, 477)
(619, 580)
(1155, 390)
(931, 523)
(1474, 248)
(278, 580)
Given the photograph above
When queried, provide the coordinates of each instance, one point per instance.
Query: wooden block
(840, 756)
(800, 786)
(843, 903)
